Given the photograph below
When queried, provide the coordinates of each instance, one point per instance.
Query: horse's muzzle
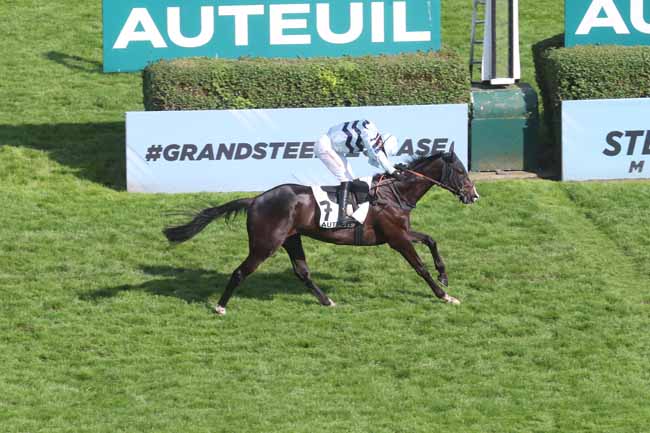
(470, 195)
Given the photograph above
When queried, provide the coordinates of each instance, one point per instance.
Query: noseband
(442, 183)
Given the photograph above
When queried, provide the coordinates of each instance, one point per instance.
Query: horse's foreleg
(405, 247)
(433, 248)
(294, 248)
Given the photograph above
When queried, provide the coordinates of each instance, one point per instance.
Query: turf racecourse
(105, 328)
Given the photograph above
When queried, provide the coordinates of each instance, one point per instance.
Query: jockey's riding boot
(344, 219)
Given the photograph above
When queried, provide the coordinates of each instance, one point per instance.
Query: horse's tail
(187, 231)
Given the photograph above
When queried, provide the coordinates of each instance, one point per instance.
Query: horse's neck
(414, 189)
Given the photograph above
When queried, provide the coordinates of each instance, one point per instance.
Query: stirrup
(346, 222)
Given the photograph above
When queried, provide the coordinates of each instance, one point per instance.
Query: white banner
(254, 150)
(606, 139)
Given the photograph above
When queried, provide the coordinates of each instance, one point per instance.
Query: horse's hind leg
(247, 267)
(259, 251)
(293, 245)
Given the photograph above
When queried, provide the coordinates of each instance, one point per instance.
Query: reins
(424, 177)
(403, 204)
(435, 182)
(391, 182)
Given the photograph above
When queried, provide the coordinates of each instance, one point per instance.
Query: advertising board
(606, 139)
(607, 22)
(137, 32)
(254, 150)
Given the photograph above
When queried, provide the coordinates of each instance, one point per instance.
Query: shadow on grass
(198, 285)
(95, 151)
(74, 62)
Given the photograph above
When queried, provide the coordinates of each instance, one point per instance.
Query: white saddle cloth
(329, 210)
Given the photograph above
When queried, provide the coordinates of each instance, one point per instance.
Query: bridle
(443, 182)
(433, 181)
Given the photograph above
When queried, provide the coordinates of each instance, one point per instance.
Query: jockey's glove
(399, 174)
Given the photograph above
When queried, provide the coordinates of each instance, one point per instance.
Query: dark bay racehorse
(280, 216)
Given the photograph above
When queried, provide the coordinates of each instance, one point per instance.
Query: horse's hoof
(332, 304)
(444, 280)
(219, 310)
(451, 300)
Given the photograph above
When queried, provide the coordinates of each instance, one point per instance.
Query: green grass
(105, 328)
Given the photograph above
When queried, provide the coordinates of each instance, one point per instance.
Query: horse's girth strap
(358, 235)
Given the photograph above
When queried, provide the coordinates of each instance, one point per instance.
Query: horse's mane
(416, 161)
(420, 159)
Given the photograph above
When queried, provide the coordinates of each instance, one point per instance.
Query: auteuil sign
(137, 32)
(615, 22)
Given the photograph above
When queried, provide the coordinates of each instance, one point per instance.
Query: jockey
(354, 137)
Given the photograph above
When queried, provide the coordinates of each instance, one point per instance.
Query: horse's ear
(451, 148)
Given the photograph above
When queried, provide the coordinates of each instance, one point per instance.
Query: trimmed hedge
(203, 83)
(588, 72)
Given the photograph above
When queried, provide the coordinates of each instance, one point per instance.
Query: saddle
(359, 193)
(327, 199)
